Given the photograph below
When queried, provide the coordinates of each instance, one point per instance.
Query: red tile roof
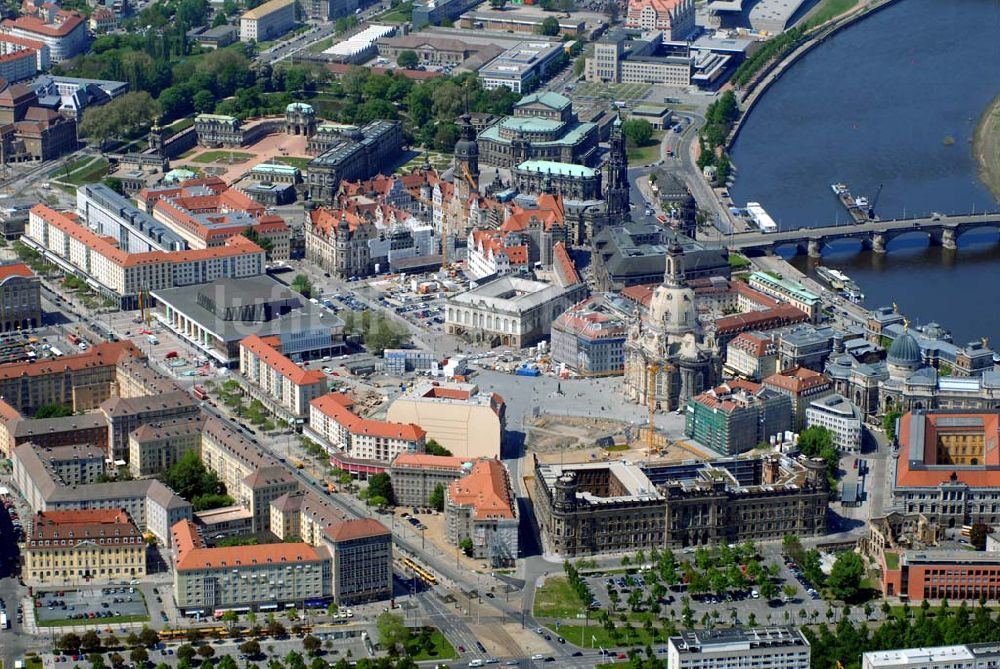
(754, 345)
(356, 528)
(769, 319)
(114, 525)
(425, 460)
(564, 264)
(99, 355)
(797, 380)
(486, 490)
(279, 363)
(192, 554)
(336, 407)
(639, 294)
(67, 23)
(978, 476)
(721, 397)
(15, 269)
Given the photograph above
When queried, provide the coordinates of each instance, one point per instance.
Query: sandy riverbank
(986, 147)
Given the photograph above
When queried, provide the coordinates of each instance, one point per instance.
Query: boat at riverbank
(841, 283)
(857, 206)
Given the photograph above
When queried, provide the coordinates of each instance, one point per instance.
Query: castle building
(667, 360)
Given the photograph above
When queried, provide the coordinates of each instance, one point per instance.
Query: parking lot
(117, 604)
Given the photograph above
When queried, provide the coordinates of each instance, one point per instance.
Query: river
(880, 103)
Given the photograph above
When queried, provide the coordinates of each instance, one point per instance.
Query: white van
(476, 663)
(152, 339)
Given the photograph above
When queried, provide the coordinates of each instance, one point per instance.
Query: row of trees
(719, 119)
(846, 576)
(91, 641)
(578, 583)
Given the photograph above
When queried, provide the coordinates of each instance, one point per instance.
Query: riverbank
(986, 147)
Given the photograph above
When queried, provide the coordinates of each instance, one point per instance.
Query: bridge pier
(815, 248)
(948, 238)
(878, 243)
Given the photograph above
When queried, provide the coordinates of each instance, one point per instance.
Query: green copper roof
(557, 169)
(530, 124)
(549, 99)
(301, 107)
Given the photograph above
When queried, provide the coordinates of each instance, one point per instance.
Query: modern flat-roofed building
(789, 291)
(217, 316)
(518, 66)
(516, 22)
(460, 417)
(774, 647)
(20, 298)
(268, 21)
(362, 560)
(955, 575)
(937, 657)
(66, 547)
(415, 476)
(262, 577)
(332, 422)
(481, 506)
(840, 417)
(284, 388)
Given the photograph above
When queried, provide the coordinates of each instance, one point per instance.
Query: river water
(892, 100)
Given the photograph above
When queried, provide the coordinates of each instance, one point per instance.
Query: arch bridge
(941, 231)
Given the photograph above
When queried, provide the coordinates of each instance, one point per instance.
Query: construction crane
(871, 208)
(652, 370)
(469, 178)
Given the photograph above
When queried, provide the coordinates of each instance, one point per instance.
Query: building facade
(20, 298)
(610, 507)
(333, 422)
(362, 560)
(802, 386)
(268, 21)
(773, 647)
(285, 388)
(460, 417)
(841, 418)
(260, 577)
(415, 476)
(589, 337)
(736, 416)
(66, 547)
(675, 18)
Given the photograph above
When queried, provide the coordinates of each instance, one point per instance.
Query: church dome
(905, 351)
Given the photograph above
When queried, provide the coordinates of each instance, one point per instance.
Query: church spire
(616, 190)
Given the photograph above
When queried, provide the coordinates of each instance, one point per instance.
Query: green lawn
(400, 14)
(69, 168)
(223, 156)
(102, 622)
(442, 649)
(556, 599)
(33, 662)
(320, 46)
(300, 163)
(584, 636)
(736, 261)
(90, 174)
(891, 560)
(827, 9)
(648, 153)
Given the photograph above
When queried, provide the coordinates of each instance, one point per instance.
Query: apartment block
(333, 422)
(362, 560)
(268, 21)
(838, 415)
(64, 32)
(66, 547)
(157, 446)
(285, 388)
(261, 577)
(802, 386)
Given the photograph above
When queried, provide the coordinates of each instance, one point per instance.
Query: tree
(203, 102)
(302, 284)
(274, 628)
(69, 643)
(264, 243)
(466, 545)
(132, 640)
(148, 636)
(90, 641)
(206, 651)
(185, 652)
(227, 662)
(434, 448)
(139, 655)
(846, 574)
(977, 536)
(392, 632)
(637, 131)
(408, 59)
(189, 478)
(54, 410)
(437, 497)
(889, 423)
(380, 485)
(768, 590)
(121, 117)
(549, 27)
(230, 617)
(789, 591)
(311, 644)
(250, 648)
(817, 442)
